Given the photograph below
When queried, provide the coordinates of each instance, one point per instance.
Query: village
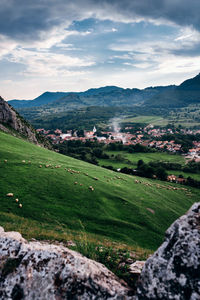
(147, 136)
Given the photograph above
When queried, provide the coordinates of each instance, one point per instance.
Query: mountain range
(186, 93)
(104, 96)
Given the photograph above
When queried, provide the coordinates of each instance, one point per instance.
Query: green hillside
(62, 196)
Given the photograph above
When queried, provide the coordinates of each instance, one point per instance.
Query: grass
(160, 121)
(195, 176)
(154, 120)
(131, 159)
(54, 207)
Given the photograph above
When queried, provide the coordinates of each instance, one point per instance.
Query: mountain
(104, 96)
(45, 98)
(185, 94)
(12, 122)
(191, 84)
(101, 90)
(64, 198)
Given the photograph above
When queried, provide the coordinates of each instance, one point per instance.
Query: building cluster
(147, 136)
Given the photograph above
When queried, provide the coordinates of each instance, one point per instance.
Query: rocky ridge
(11, 122)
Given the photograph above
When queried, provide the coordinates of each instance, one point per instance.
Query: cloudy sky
(74, 45)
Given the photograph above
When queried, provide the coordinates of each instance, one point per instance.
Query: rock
(129, 261)
(173, 271)
(43, 271)
(9, 116)
(10, 119)
(135, 270)
(136, 267)
(71, 244)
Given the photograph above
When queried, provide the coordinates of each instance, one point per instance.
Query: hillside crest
(11, 122)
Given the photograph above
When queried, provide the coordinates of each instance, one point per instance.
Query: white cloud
(188, 37)
(47, 64)
(139, 65)
(7, 46)
(110, 30)
(173, 64)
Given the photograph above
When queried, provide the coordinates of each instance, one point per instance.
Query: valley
(113, 181)
(117, 174)
(49, 186)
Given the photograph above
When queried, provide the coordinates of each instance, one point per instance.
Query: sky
(74, 45)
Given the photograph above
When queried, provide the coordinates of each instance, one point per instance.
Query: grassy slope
(53, 204)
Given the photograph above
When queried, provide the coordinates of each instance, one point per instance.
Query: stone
(136, 267)
(44, 271)
(173, 271)
(10, 119)
(9, 116)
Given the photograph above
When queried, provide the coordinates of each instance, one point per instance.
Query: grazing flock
(108, 179)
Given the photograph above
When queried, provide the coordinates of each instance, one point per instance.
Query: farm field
(160, 121)
(62, 197)
(154, 120)
(185, 174)
(131, 159)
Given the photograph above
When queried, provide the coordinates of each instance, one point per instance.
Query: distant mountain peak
(192, 83)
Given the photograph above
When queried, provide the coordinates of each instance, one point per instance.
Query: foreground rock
(173, 272)
(43, 271)
(136, 267)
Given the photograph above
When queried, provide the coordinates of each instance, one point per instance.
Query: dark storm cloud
(190, 52)
(27, 18)
(181, 12)
(18, 18)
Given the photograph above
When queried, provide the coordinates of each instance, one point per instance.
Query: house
(181, 180)
(58, 131)
(171, 178)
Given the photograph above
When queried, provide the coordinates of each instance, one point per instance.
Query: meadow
(154, 120)
(131, 159)
(186, 117)
(62, 198)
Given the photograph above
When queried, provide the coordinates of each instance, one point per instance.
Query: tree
(140, 163)
(161, 173)
(80, 133)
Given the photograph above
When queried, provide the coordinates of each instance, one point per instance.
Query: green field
(58, 203)
(195, 176)
(154, 120)
(131, 159)
(177, 120)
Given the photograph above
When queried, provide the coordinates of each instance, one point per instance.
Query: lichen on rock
(43, 271)
(173, 272)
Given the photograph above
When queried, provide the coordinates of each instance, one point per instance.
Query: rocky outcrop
(43, 271)
(10, 119)
(173, 272)
(37, 270)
